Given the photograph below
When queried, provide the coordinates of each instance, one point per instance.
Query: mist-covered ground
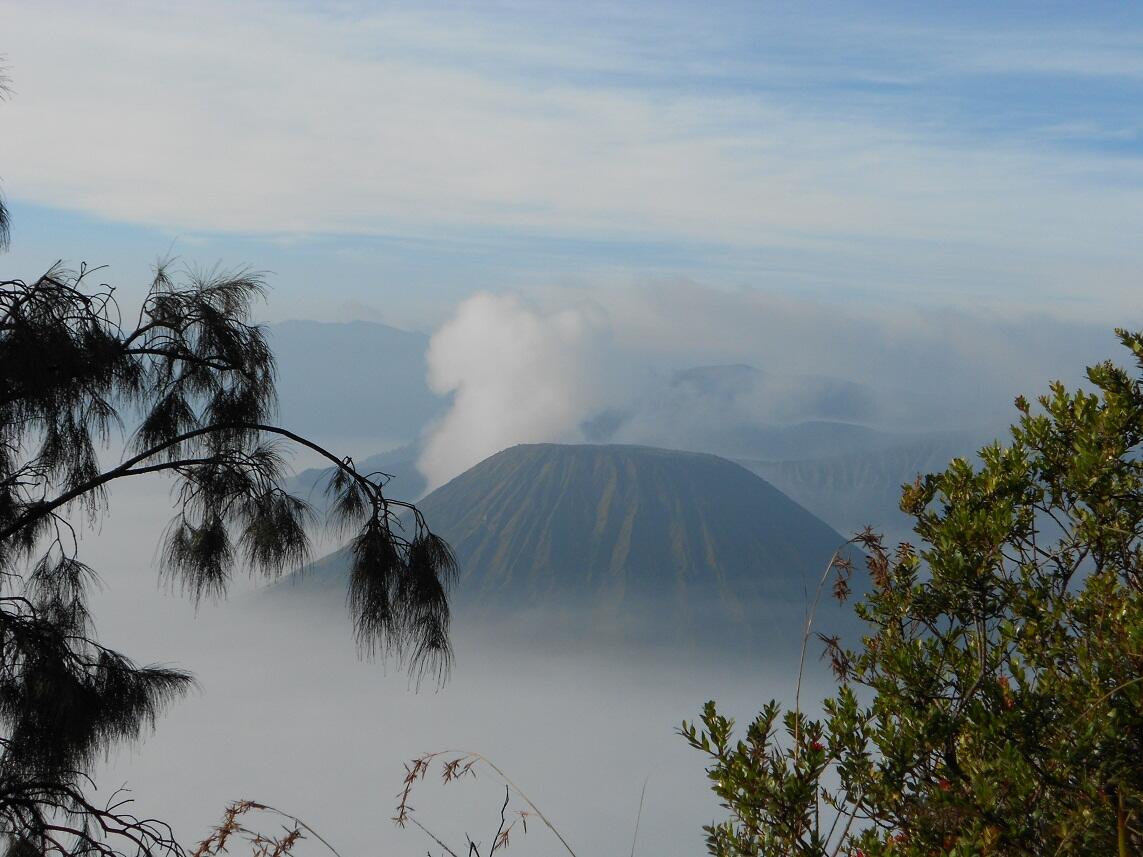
(289, 716)
(831, 246)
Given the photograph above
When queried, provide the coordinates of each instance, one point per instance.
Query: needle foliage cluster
(187, 384)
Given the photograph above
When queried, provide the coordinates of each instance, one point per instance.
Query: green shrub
(995, 705)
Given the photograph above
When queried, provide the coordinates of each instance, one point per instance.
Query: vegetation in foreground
(996, 704)
(198, 378)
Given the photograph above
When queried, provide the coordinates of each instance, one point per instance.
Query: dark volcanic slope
(649, 542)
(542, 522)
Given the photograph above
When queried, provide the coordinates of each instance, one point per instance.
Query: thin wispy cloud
(845, 140)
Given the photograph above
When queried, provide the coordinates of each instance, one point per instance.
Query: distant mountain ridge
(741, 411)
(631, 542)
(359, 386)
(862, 487)
(358, 378)
(398, 468)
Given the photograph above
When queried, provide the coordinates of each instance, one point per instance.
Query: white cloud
(516, 375)
(272, 119)
(601, 366)
(953, 352)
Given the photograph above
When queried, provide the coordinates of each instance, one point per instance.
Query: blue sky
(388, 160)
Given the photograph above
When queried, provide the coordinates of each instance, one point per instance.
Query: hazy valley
(383, 381)
(605, 592)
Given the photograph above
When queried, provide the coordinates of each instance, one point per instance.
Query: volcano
(628, 542)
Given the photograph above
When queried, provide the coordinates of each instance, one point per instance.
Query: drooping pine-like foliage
(996, 704)
(195, 377)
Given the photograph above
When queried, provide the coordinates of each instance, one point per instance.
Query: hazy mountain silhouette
(740, 411)
(624, 542)
(359, 379)
(863, 487)
(801, 397)
(405, 481)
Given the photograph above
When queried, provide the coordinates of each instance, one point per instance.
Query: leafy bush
(996, 704)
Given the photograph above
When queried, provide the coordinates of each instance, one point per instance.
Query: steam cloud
(516, 374)
(685, 367)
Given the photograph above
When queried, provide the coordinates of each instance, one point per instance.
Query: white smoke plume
(686, 367)
(516, 375)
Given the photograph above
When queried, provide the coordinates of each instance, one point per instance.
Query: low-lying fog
(288, 716)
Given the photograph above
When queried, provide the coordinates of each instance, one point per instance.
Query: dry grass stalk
(260, 844)
(459, 764)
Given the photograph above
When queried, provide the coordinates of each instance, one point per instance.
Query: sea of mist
(287, 714)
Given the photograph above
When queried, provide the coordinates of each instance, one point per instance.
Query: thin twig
(433, 836)
(508, 781)
(811, 609)
(639, 816)
(299, 823)
(500, 830)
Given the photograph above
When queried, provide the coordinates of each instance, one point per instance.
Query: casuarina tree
(187, 382)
